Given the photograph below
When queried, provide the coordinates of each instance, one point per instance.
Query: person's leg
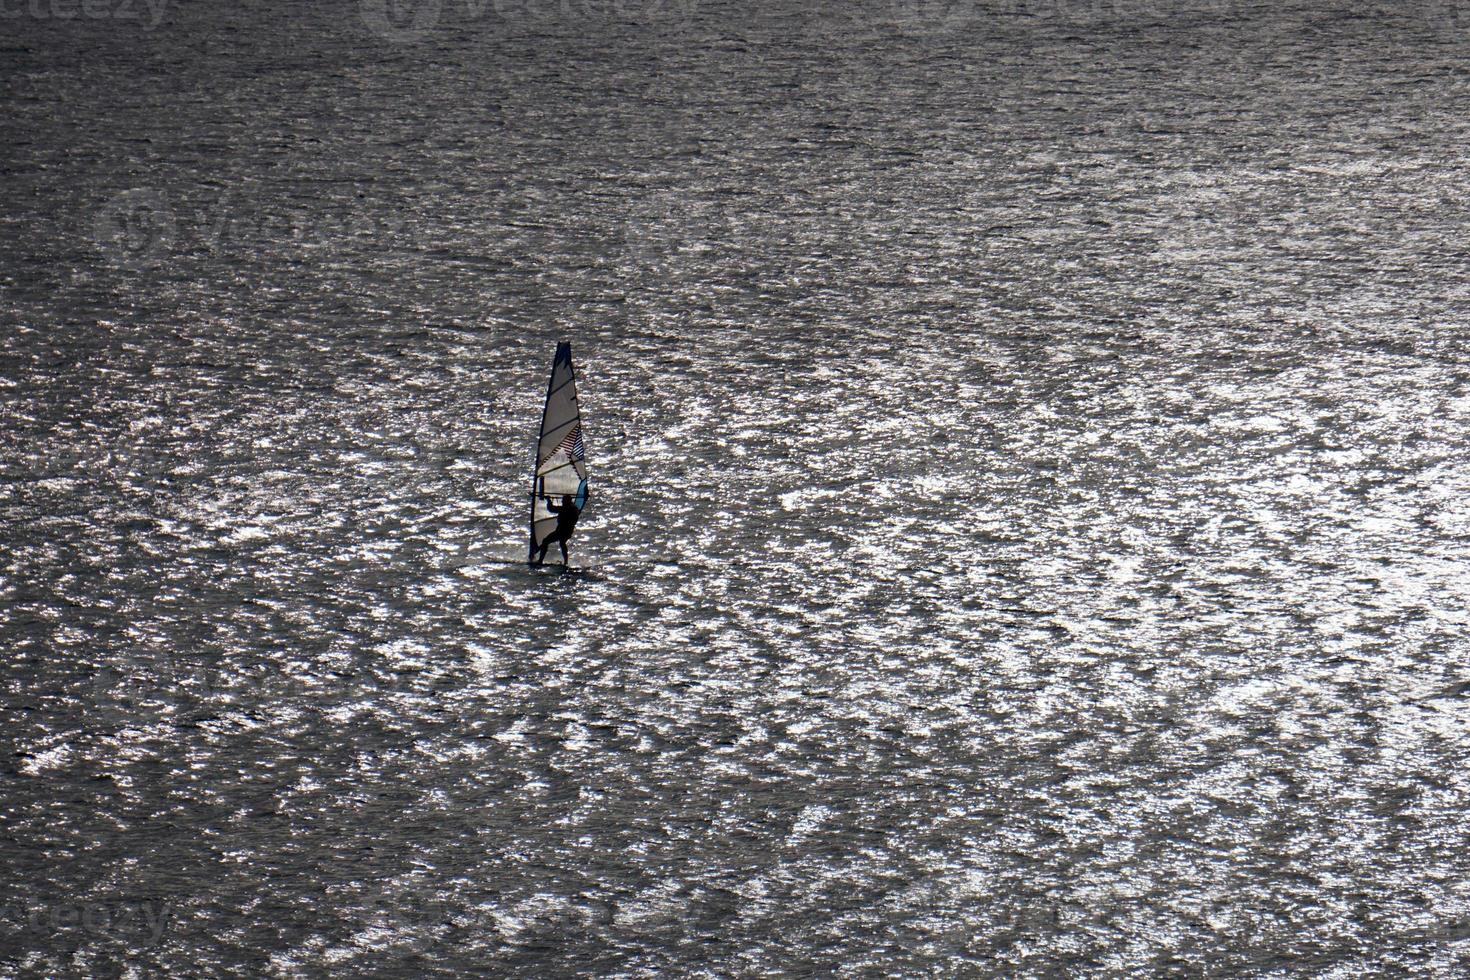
(541, 558)
(564, 559)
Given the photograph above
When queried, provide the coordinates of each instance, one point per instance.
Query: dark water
(1030, 511)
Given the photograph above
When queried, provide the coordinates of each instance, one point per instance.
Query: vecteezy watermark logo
(135, 229)
(123, 10)
(402, 913)
(121, 458)
(938, 16)
(147, 683)
(1134, 12)
(668, 237)
(407, 21)
(138, 229)
(145, 920)
(400, 21)
(1440, 14)
(138, 687)
(597, 11)
(924, 16)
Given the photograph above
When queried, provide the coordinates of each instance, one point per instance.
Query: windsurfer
(566, 520)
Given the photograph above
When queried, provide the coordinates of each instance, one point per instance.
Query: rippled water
(1030, 511)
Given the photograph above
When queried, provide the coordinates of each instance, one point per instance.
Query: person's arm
(550, 506)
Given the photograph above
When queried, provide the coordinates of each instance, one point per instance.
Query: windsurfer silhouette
(566, 520)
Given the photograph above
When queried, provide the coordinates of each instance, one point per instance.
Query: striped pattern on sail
(561, 457)
(571, 446)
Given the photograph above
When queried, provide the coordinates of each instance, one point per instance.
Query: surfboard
(561, 457)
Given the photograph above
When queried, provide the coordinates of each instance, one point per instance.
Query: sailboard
(561, 458)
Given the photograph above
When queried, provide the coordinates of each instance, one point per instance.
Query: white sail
(561, 459)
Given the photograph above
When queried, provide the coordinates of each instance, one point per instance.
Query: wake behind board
(561, 459)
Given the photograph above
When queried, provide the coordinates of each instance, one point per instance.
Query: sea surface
(1030, 519)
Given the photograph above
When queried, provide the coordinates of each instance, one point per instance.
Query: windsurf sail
(561, 458)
